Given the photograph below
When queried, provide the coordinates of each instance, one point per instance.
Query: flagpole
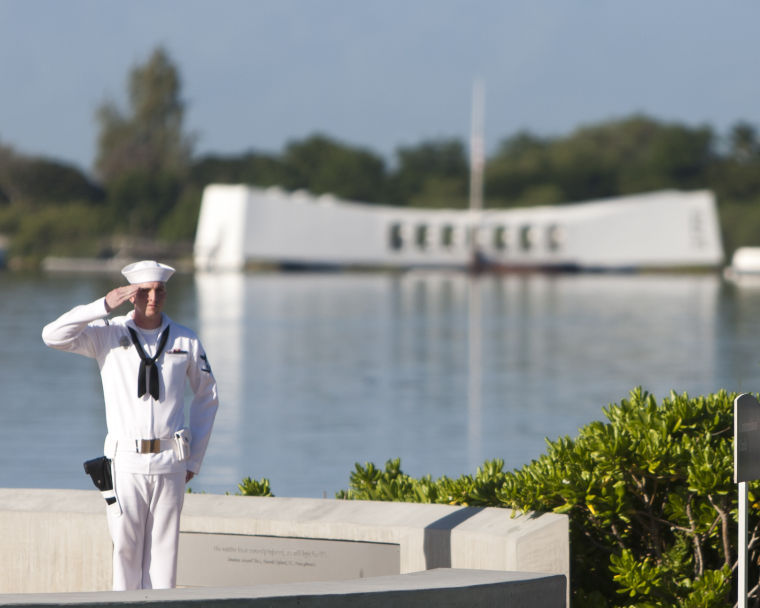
(477, 154)
(477, 164)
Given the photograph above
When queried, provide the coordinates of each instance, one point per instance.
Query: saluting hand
(117, 297)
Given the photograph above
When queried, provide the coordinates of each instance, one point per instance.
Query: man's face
(149, 299)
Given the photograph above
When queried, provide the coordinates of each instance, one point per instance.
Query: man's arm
(67, 331)
(203, 407)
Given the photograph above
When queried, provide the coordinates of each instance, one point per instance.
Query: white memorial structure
(240, 225)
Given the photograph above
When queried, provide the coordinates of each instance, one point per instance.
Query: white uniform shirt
(85, 330)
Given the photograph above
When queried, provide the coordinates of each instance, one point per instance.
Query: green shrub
(254, 487)
(649, 496)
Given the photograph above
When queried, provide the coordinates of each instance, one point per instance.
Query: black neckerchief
(148, 364)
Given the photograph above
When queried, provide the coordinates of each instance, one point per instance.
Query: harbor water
(319, 371)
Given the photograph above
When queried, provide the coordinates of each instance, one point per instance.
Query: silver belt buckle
(148, 446)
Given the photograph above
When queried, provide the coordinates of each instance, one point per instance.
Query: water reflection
(444, 370)
(737, 352)
(474, 371)
(221, 328)
(317, 372)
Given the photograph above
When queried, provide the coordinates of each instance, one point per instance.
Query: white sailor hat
(147, 271)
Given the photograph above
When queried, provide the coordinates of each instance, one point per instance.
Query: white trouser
(146, 534)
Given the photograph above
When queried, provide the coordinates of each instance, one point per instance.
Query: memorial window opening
(526, 238)
(447, 236)
(421, 236)
(500, 238)
(396, 237)
(555, 237)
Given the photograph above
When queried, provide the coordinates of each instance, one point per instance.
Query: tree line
(148, 179)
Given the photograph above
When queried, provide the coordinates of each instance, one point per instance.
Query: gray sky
(379, 74)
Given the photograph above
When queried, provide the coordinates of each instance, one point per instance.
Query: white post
(741, 590)
(746, 468)
(477, 165)
(477, 147)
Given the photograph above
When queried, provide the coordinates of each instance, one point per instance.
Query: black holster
(99, 469)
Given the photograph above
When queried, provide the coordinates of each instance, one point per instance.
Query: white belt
(145, 446)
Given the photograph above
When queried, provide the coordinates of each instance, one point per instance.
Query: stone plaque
(746, 438)
(213, 560)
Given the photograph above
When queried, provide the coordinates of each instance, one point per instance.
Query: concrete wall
(57, 540)
(53, 540)
(443, 588)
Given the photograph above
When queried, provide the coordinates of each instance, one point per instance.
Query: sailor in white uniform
(146, 361)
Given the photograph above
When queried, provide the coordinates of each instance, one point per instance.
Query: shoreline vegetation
(143, 195)
(649, 493)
